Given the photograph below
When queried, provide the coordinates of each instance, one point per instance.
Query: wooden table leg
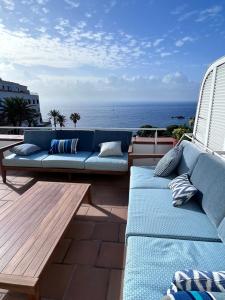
(36, 295)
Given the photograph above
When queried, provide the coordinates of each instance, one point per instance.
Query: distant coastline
(126, 115)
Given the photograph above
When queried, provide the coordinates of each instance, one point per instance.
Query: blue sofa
(162, 239)
(86, 160)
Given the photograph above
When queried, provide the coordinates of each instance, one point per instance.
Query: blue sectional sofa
(86, 160)
(162, 239)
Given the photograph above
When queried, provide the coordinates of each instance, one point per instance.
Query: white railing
(133, 129)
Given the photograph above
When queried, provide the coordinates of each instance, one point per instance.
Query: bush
(179, 132)
(146, 133)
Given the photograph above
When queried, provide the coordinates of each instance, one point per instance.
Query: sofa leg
(3, 175)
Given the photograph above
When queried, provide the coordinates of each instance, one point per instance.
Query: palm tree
(61, 120)
(16, 110)
(74, 117)
(53, 114)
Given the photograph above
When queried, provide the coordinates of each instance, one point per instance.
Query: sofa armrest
(132, 155)
(5, 148)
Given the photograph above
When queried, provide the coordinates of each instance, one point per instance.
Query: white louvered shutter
(202, 118)
(216, 137)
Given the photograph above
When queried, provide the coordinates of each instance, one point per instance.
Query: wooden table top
(31, 228)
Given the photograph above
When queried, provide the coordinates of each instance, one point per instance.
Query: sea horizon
(126, 115)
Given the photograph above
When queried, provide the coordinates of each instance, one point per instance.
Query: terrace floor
(88, 262)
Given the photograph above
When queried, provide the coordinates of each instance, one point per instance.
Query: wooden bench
(30, 230)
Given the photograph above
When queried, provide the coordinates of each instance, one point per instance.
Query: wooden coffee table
(30, 230)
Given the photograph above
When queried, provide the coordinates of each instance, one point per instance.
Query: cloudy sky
(110, 50)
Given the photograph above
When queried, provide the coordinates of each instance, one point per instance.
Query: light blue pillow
(25, 149)
(182, 189)
(168, 162)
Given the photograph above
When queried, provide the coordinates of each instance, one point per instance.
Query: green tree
(74, 117)
(146, 133)
(16, 110)
(53, 115)
(179, 132)
(61, 119)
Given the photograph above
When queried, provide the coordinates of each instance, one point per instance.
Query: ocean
(122, 115)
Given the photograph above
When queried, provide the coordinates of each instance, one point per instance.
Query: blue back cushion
(86, 138)
(102, 136)
(189, 157)
(41, 138)
(208, 177)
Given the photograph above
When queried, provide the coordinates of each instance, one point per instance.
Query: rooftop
(88, 262)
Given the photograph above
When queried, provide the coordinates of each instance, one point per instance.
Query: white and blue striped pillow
(168, 162)
(63, 146)
(194, 280)
(182, 189)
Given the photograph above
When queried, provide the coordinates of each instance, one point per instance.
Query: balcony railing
(19, 130)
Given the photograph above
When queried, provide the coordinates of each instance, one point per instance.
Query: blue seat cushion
(32, 160)
(102, 136)
(109, 163)
(66, 160)
(151, 213)
(41, 138)
(152, 262)
(208, 177)
(189, 157)
(143, 177)
(85, 138)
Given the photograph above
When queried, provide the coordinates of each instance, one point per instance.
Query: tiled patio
(88, 262)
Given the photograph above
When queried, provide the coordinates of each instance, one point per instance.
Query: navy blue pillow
(63, 146)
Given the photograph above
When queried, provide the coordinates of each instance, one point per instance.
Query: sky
(83, 51)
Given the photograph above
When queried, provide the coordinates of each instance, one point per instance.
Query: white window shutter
(216, 136)
(203, 110)
(209, 129)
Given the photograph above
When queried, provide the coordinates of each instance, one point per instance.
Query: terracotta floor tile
(88, 283)
(106, 232)
(61, 251)
(98, 213)
(80, 230)
(122, 233)
(119, 214)
(111, 255)
(82, 212)
(115, 285)
(105, 195)
(82, 252)
(55, 281)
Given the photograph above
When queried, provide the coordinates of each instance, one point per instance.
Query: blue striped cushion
(63, 146)
(194, 295)
(193, 280)
(182, 189)
(169, 162)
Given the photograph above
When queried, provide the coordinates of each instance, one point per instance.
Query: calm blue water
(124, 115)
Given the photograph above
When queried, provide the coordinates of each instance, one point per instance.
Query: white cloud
(88, 15)
(79, 47)
(181, 42)
(109, 6)
(209, 13)
(72, 4)
(165, 54)
(157, 42)
(187, 15)
(8, 4)
(179, 9)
